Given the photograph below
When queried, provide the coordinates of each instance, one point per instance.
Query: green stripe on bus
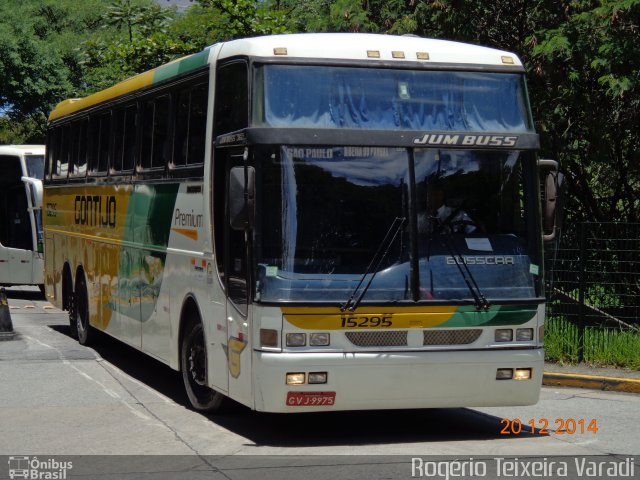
(498, 315)
(181, 66)
(141, 270)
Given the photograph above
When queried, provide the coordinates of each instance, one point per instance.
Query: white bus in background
(21, 238)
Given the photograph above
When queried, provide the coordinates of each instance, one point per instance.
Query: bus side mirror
(242, 186)
(34, 186)
(552, 186)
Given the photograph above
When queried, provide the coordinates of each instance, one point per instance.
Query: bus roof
(320, 46)
(21, 149)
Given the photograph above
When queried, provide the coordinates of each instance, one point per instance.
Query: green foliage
(602, 347)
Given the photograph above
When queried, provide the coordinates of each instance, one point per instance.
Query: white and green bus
(21, 236)
(262, 217)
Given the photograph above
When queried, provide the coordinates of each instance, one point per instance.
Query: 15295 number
(366, 322)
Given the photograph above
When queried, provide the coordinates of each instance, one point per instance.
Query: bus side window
(81, 158)
(61, 167)
(130, 129)
(103, 142)
(232, 99)
(155, 133)
(197, 123)
(52, 147)
(118, 140)
(93, 143)
(190, 125)
(124, 139)
(181, 140)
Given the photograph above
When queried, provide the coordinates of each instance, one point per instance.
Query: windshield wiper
(480, 300)
(377, 259)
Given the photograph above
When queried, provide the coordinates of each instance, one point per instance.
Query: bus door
(237, 272)
(230, 173)
(34, 191)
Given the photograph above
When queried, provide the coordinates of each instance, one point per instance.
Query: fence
(593, 286)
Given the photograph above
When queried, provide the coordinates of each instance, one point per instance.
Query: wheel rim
(197, 360)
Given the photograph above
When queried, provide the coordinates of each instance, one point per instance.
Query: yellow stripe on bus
(134, 83)
(331, 318)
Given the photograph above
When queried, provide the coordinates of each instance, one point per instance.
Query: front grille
(377, 339)
(450, 337)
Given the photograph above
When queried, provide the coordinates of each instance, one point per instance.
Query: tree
(589, 75)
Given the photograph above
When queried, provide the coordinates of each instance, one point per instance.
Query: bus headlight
(504, 335)
(524, 334)
(504, 374)
(317, 377)
(319, 339)
(296, 339)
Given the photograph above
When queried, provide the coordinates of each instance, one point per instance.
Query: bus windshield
(390, 99)
(325, 212)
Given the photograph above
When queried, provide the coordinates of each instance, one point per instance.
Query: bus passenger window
(103, 148)
(147, 134)
(161, 132)
(93, 143)
(197, 123)
(155, 133)
(180, 143)
(130, 128)
(64, 147)
(118, 139)
(80, 161)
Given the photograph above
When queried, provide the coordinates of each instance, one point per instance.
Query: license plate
(310, 399)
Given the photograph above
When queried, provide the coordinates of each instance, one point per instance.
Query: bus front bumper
(395, 380)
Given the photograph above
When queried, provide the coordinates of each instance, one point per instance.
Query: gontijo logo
(95, 210)
(33, 468)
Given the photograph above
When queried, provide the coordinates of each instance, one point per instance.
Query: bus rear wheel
(193, 362)
(83, 327)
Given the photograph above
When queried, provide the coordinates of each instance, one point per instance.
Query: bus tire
(83, 327)
(193, 365)
(68, 301)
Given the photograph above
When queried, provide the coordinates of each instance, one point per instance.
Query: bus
(260, 217)
(21, 234)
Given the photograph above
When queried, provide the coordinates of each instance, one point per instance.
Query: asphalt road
(58, 398)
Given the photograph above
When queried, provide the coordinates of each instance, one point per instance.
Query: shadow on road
(24, 293)
(311, 429)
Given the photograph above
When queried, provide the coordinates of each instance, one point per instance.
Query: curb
(593, 382)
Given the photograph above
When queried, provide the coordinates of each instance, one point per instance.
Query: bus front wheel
(193, 362)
